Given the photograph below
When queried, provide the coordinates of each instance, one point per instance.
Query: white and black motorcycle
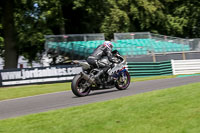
(116, 76)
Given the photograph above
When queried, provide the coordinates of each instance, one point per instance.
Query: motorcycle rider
(102, 50)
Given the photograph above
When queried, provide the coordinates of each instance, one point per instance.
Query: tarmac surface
(45, 102)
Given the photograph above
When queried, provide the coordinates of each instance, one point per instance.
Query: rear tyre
(78, 87)
(123, 81)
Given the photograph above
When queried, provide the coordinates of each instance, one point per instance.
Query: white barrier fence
(185, 66)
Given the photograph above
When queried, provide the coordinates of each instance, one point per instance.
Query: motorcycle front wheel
(123, 81)
(78, 87)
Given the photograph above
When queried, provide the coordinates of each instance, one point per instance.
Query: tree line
(23, 23)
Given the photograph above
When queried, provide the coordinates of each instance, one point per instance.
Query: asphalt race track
(41, 103)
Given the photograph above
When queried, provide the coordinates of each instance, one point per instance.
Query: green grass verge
(30, 90)
(151, 78)
(174, 110)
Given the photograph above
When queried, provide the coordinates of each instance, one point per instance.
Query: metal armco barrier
(185, 66)
(63, 73)
(143, 69)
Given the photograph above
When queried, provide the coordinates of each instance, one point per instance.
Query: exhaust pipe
(86, 77)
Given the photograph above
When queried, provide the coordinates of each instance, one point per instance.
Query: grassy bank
(174, 110)
(30, 90)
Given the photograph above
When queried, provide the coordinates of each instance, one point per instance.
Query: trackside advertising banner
(24, 76)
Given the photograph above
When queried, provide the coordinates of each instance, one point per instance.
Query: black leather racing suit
(98, 53)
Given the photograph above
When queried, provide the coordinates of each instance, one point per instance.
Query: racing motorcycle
(116, 76)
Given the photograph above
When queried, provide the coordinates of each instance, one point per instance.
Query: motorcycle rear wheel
(123, 81)
(76, 87)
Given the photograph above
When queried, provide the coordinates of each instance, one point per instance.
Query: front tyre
(78, 86)
(123, 81)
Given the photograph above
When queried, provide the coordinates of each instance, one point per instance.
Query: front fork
(121, 75)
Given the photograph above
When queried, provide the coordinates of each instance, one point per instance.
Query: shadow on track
(99, 92)
(102, 92)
